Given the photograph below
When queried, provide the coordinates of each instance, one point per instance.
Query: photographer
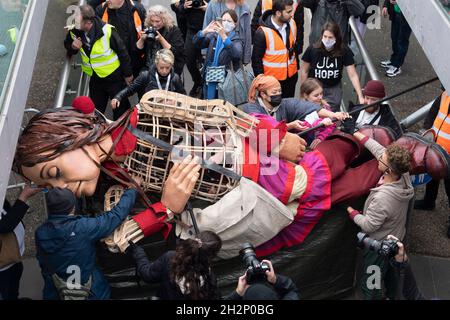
(224, 47)
(273, 287)
(385, 210)
(407, 282)
(160, 76)
(184, 274)
(161, 33)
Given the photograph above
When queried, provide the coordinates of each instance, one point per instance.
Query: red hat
(374, 88)
(83, 104)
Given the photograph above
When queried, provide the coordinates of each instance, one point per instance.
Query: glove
(348, 126)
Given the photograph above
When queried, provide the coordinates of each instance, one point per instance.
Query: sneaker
(386, 64)
(421, 205)
(393, 71)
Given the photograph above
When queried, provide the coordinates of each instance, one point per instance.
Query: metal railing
(366, 59)
(368, 66)
(63, 89)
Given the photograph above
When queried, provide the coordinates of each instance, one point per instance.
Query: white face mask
(328, 43)
(228, 26)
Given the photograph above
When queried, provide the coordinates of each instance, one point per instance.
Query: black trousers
(432, 190)
(10, 282)
(288, 86)
(400, 33)
(193, 56)
(103, 89)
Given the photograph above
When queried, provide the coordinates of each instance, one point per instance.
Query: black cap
(60, 201)
(260, 291)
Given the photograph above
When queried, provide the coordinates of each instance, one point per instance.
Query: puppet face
(72, 169)
(292, 148)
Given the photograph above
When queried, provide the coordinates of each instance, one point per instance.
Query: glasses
(384, 163)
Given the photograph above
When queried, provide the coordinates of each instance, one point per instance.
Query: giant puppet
(281, 196)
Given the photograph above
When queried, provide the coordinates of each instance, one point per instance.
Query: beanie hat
(83, 104)
(374, 88)
(260, 291)
(60, 201)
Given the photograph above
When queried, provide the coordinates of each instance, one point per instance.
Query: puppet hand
(180, 183)
(314, 144)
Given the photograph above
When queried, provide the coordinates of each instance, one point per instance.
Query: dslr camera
(151, 33)
(256, 271)
(197, 3)
(384, 248)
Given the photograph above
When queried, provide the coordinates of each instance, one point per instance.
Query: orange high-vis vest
(441, 125)
(136, 17)
(276, 60)
(267, 5)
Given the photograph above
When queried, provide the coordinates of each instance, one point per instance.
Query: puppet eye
(54, 173)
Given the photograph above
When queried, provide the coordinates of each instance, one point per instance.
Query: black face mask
(275, 100)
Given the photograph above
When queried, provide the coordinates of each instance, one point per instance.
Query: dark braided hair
(192, 260)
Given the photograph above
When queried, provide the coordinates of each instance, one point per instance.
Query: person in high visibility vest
(103, 57)
(275, 46)
(299, 17)
(438, 120)
(127, 17)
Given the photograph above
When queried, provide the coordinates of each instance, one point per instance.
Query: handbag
(215, 74)
(9, 249)
(236, 85)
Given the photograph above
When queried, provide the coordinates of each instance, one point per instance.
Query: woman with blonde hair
(161, 33)
(160, 76)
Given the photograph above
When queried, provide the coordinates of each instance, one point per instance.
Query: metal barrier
(64, 79)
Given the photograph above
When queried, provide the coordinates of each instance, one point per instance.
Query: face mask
(275, 100)
(228, 26)
(329, 44)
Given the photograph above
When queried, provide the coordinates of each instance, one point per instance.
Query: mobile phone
(219, 19)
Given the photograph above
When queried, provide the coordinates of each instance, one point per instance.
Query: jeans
(400, 33)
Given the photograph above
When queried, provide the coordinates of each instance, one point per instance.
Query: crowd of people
(127, 50)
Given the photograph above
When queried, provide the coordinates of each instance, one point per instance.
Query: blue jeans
(400, 33)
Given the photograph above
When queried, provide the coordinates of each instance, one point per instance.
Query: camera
(256, 271)
(197, 3)
(151, 33)
(384, 248)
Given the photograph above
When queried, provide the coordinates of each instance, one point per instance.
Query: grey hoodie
(386, 207)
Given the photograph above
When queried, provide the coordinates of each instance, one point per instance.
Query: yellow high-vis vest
(276, 60)
(441, 125)
(103, 60)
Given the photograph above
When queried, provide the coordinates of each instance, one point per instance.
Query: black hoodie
(95, 34)
(259, 43)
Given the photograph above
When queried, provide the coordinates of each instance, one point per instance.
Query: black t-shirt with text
(326, 68)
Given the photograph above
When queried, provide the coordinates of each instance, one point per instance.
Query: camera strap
(159, 83)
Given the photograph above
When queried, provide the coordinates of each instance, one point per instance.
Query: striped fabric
(312, 204)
